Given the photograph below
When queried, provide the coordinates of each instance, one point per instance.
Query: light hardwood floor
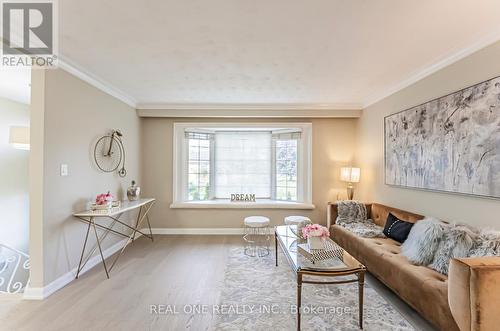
(174, 270)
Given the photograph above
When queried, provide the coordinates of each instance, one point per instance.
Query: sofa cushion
(397, 229)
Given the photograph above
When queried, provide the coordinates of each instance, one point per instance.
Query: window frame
(211, 167)
(274, 175)
(304, 165)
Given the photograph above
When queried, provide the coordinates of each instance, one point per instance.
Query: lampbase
(350, 191)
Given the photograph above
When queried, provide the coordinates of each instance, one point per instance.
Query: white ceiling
(15, 84)
(329, 53)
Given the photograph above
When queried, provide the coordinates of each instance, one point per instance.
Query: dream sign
(243, 197)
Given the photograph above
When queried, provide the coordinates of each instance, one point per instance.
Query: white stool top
(297, 220)
(256, 221)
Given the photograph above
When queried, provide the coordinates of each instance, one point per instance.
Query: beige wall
(76, 115)
(478, 67)
(14, 197)
(333, 147)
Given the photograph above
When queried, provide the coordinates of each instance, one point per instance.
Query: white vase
(315, 243)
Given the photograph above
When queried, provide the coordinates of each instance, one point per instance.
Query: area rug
(257, 295)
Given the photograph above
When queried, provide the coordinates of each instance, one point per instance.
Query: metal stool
(256, 236)
(300, 222)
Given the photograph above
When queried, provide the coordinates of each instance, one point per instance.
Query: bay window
(242, 164)
(269, 160)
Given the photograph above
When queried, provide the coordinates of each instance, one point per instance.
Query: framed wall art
(449, 144)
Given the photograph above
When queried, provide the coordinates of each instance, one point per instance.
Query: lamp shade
(348, 174)
(20, 137)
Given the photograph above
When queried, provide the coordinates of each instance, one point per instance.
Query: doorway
(15, 98)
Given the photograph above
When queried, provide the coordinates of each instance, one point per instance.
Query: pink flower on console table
(104, 199)
(315, 230)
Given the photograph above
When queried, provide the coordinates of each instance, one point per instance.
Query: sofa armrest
(473, 292)
(332, 213)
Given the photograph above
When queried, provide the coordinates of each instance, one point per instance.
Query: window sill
(226, 204)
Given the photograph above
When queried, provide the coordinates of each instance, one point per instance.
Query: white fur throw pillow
(487, 244)
(423, 241)
(456, 242)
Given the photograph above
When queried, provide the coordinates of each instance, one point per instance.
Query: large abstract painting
(449, 144)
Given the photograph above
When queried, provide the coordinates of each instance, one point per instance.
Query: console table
(93, 217)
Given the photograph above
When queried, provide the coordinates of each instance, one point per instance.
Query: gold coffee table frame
(343, 265)
(90, 217)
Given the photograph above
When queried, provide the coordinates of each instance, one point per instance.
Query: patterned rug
(257, 295)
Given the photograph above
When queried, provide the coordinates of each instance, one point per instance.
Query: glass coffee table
(333, 262)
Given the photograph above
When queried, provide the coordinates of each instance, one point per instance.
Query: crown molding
(251, 106)
(95, 81)
(481, 43)
(277, 112)
(289, 110)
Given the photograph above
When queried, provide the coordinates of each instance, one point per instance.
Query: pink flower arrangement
(104, 199)
(315, 230)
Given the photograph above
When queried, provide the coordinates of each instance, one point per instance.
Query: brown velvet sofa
(467, 299)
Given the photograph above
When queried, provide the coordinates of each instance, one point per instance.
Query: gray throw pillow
(423, 241)
(487, 244)
(456, 242)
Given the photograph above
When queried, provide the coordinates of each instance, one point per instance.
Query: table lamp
(349, 175)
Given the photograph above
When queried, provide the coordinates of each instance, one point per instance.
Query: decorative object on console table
(350, 175)
(103, 201)
(133, 192)
(448, 144)
(315, 235)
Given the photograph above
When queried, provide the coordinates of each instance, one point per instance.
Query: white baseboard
(40, 293)
(196, 231)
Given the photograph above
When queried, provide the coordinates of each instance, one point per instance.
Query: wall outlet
(64, 170)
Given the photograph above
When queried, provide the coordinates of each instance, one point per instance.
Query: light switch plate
(64, 170)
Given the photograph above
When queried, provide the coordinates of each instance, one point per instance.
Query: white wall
(14, 197)
(480, 66)
(75, 115)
